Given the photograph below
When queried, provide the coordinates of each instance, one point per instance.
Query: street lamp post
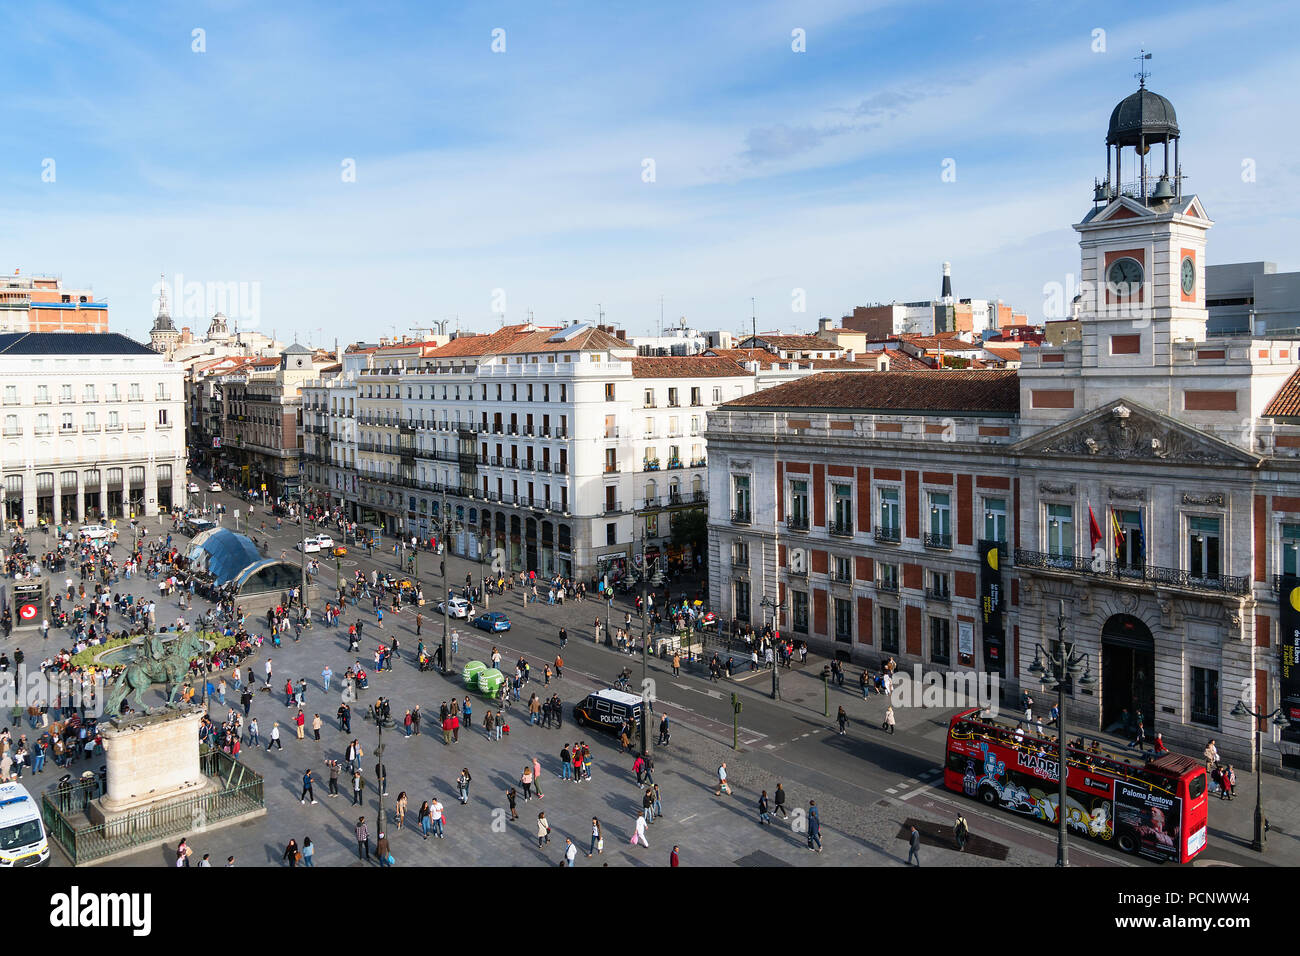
(1063, 667)
(1260, 840)
(482, 562)
(775, 606)
(446, 607)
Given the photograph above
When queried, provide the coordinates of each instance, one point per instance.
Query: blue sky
(522, 171)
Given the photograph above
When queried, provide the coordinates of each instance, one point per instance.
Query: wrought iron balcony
(1147, 575)
(888, 534)
(888, 586)
(740, 517)
(936, 594)
(796, 522)
(936, 541)
(842, 529)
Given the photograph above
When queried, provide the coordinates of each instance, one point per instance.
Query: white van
(22, 834)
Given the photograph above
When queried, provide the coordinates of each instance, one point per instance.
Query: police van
(608, 709)
(22, 835)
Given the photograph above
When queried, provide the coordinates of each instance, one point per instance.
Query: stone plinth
(151, 758)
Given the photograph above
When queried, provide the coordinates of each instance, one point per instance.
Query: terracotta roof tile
(519, 339)
(934, 392)
(1286, 403)
(684, 366)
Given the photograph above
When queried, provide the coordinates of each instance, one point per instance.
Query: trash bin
(490, 681)
(470, 674)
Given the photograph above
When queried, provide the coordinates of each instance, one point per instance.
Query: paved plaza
(868, 788)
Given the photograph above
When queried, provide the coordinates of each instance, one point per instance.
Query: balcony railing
(740, 517)
(611, 468)
(889, 586)
(937, 541)
(740, 563)
(838, 578)
(841, 529)
(796, 522)
(888, 534)
(613, 508)
(938, 594)
(1133, 574)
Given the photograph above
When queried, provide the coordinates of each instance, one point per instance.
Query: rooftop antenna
(661, 315)
(1142, 72)
(600, 314)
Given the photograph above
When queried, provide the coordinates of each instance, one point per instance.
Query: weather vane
(1142, 72)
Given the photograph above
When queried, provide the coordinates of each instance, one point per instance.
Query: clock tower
(1142, 246)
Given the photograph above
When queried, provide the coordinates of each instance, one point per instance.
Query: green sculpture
(156, 661)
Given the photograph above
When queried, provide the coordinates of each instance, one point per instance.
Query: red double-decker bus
(1153, 806)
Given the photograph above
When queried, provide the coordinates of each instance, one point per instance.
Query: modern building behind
(1252, 298)
(41, 303)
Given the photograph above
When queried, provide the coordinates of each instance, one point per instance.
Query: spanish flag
(1119, 532)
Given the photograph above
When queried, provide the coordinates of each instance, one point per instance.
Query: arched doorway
(1127, 671)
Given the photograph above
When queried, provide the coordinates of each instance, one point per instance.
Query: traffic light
(735, 702)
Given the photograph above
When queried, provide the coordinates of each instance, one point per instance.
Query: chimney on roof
(945, 292)
(849, 355)
(823, 324)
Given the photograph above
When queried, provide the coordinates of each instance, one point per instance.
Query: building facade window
(1204, 543)
(1060, 531)
(940, 520)
(940, 640)
(1291, 549)
(842, 510)
(889, 513)
(741, 606)
(1128, 545)
(798, 504)
(843, 621)
(740, 498)
(799, 611)
(887, 579)
(889, 630)
(1205, 696)
(995, 520)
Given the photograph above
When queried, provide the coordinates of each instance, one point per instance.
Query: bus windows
(1196, 786)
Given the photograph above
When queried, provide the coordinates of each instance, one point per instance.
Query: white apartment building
(93, 428)
(559, 449)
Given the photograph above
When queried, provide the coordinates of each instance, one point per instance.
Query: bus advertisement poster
(1289, 647)
(1148, 819)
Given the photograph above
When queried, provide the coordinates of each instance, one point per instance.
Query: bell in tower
(1141, 120)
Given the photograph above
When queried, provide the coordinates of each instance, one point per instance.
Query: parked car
(194, 488)
(214, 487)
(94, 532)
(325, 541)
(308, 546)
(338, 551)
(492, 621)
(459, 607)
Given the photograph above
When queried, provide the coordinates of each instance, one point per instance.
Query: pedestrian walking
(462, 785)
(914, 847)
(307, 791)
(274, 741)
(722, 781)
(961, 832)
(363, 839)
(638, 835)
(543, 829)
(764, 815)
(843, 720)
(888, 724)
(597, 841)
(358, 784)
(778, 801)
(814, 826)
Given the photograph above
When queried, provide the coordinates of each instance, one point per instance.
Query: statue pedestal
(151, 759)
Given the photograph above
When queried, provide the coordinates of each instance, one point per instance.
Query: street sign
(264, 486)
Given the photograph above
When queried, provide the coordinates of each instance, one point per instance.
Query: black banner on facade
(991, 608)
(1289, 643)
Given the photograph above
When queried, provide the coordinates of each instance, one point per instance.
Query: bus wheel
(1127, 843)
(988, 796)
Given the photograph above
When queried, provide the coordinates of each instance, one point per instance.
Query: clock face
(1125, 276)
(1189, 275)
